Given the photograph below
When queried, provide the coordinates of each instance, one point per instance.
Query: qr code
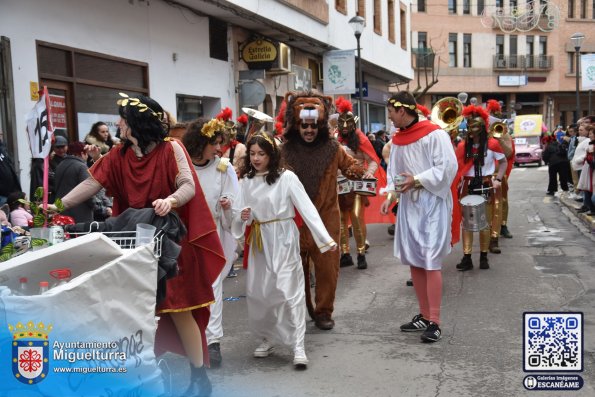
(553, 341)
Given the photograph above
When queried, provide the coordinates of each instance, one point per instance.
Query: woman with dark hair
(100, 137)
(220, 185)
(275, 286)
(151, 171)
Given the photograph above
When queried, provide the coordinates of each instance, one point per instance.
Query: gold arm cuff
(391, 197)
(416, 183)
(328, 244)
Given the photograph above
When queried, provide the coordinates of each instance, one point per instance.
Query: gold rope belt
(255, 236)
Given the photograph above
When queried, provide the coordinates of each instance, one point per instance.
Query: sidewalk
(573, 205)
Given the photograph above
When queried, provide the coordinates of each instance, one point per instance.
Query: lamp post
(357, 24)
(577, 41)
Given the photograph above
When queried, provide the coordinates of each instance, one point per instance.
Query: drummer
(352, 204)
(477, 156)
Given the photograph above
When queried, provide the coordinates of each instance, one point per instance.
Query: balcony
(423, 58)
(535, 63)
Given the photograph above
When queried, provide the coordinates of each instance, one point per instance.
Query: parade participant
(477, 155)
(146, 171)
(275, 287)
(315, 157)
(352, 205)
(423, 164)
(231, 148)
(499, 131)
(220, 186)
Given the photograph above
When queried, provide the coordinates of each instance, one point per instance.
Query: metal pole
(590, 108)
(360, 74)
(578, 99)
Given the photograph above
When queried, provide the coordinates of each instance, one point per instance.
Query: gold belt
(255, 236)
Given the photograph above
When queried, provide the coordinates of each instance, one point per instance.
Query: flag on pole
(40, 131)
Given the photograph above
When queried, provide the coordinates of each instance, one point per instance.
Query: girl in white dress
(275, 281)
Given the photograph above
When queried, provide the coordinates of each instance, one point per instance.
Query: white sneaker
(264, 350)
(300, 361)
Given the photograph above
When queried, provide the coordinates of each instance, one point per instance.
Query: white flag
(39, 127)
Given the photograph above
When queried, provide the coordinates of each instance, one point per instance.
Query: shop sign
(259, 51)
(58, 111)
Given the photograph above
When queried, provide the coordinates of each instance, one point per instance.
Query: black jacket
(554, 153)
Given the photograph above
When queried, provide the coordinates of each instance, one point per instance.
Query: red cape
(414, 133)
(464, 166)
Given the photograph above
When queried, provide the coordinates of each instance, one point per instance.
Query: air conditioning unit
(281, 65)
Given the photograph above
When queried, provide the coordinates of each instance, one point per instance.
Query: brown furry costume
(316, 166)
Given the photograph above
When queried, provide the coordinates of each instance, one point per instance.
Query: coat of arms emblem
(30, 352)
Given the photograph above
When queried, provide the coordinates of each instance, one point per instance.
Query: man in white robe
(423, 165)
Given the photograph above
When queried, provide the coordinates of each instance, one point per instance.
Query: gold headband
(397, 104)
(209, 129)
(126, 100)
(266, 138)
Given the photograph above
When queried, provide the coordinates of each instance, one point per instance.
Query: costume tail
(309, 304)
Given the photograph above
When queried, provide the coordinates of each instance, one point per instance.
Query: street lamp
(577, 41)
(462, 96)
(357, 23)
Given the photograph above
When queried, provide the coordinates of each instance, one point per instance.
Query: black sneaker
(346, 260)
(504, 232)
(409, 283)
(417, 323)
(465, 264)
(432, 333)
(361, 261)
(215, 355)
(391, 230)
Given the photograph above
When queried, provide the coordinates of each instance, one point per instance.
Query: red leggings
(428, 288)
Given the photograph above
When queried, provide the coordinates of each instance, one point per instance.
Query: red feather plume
(243, 119)
(225, 114)
(493, 106)
(476, 110)
(424, 110)
(281, 113)
(343, 105)
(279, 127)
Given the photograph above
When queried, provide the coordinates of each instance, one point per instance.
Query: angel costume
(423, 227)
(275, 279)
(218, 180)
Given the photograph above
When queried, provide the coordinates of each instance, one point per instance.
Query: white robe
(216, 184)
(422, 231)
(275, 280)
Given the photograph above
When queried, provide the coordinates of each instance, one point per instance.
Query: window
(422, 39)
(593, 8)
(513, 4)
(466, 7)
(378, 17)
(583, 9)
(361, 8)
(570, 8)
(341, 6)
(499, 44)
(452, 50)
(421, 5)
(571, 61)
(452, 6)
(513, 58)
(391, 21)
(466, 50)
(542, 45)
(499, 4)
(188, 107)
(218, 39)
(480, 6)
(404, 30)
(530, 51)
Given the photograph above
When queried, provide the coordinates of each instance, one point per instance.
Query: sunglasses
(314, 126)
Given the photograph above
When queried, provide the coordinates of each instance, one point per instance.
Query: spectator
(100, 137)
(556, 158)
(559, 134)
(19, 212)
(378, 144)
(585, 182)
(9, 181)
(72, 171)
(58, 154)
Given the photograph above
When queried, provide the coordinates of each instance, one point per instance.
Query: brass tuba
(448, 113)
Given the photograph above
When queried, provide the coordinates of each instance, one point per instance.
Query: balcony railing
(523, 62)
(423, 58)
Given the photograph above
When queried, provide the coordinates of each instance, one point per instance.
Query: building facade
(187, 54)
(517, 52)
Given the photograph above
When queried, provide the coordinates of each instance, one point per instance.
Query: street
(547, 266)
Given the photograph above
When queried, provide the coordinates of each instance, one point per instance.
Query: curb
(574, 206)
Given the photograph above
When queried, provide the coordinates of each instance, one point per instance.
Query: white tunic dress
(275, 280)
(215, 184)
(422, 232)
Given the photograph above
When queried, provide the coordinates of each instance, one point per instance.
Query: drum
(474, 213)
(365, 187)
(343, 185)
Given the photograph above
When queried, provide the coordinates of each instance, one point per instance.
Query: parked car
(527, 150)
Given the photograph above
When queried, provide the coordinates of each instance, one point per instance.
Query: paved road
(547, 266)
